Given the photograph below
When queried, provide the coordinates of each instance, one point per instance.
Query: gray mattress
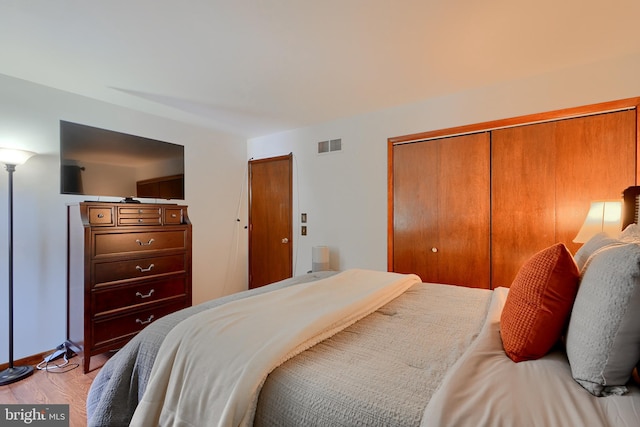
(380, 371)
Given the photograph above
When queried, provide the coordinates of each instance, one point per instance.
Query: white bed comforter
(275, 327)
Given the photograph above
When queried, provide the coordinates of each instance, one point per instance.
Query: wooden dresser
(128, 265)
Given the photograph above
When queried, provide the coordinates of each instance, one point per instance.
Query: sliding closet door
(598, 161)
(441, 210)
(522, 197)
(544, 177)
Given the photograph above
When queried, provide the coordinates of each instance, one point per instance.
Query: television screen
(100, 162)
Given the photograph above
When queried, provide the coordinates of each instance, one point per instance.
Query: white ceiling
(256, 67)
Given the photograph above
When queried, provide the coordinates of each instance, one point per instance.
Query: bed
(396, 351)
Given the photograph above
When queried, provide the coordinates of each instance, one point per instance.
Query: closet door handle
(139, 242)
(144, 270)
(145, 322)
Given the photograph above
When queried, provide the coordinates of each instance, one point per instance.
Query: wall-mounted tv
(99, 162)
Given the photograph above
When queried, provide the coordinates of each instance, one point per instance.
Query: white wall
(29, 119)
(345, 194)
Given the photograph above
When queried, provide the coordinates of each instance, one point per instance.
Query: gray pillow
(597, 242)
(603, 340)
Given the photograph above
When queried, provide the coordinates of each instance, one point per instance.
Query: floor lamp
(11, 158)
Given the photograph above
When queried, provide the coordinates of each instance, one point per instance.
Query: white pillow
(597, 242)
(631, 234)
(603, 339)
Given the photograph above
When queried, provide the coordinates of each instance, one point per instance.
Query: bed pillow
(631, 234)
(603, 340)
(539, 302)
(592, 245)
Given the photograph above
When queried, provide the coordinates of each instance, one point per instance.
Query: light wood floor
(49, 387)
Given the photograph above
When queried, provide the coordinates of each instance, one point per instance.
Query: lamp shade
(320, 258)
(604, 216)
(12, 156)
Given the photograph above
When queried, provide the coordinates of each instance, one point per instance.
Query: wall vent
(330, 146)
(323, 147)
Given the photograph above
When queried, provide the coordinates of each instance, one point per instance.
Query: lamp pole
(12, 373)
(11, 169)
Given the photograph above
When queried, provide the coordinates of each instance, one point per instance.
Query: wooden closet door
(544, 177)
(441, 210)
(597, 160)
(523, 165)
(415, 213)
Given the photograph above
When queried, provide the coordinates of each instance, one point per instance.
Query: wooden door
(583, 144)
(441, 210)
(270, 220)
(522, 197)
(544, 177)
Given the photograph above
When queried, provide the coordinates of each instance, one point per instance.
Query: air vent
(325, 147)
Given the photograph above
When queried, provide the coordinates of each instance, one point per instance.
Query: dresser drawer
(173, 216)
(124, 297)
(120, 243)
(139, 216)
(100, 215)
(113, 328)
(107, 272)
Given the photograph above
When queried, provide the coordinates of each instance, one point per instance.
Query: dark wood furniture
(128, 265)
(631, 205)
(544, 170)
(165, 187)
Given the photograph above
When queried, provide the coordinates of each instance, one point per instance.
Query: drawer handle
(138, 294)
(100, 215)
(174, 216)
(144, 270)
(145, 322)
(145, 244)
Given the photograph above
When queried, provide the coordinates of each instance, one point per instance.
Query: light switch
(303, 230)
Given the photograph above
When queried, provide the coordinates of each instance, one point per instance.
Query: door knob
(285, 240)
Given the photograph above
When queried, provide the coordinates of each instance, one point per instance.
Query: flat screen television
(99, 162)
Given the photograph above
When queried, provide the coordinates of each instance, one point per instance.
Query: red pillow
(539, 303)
